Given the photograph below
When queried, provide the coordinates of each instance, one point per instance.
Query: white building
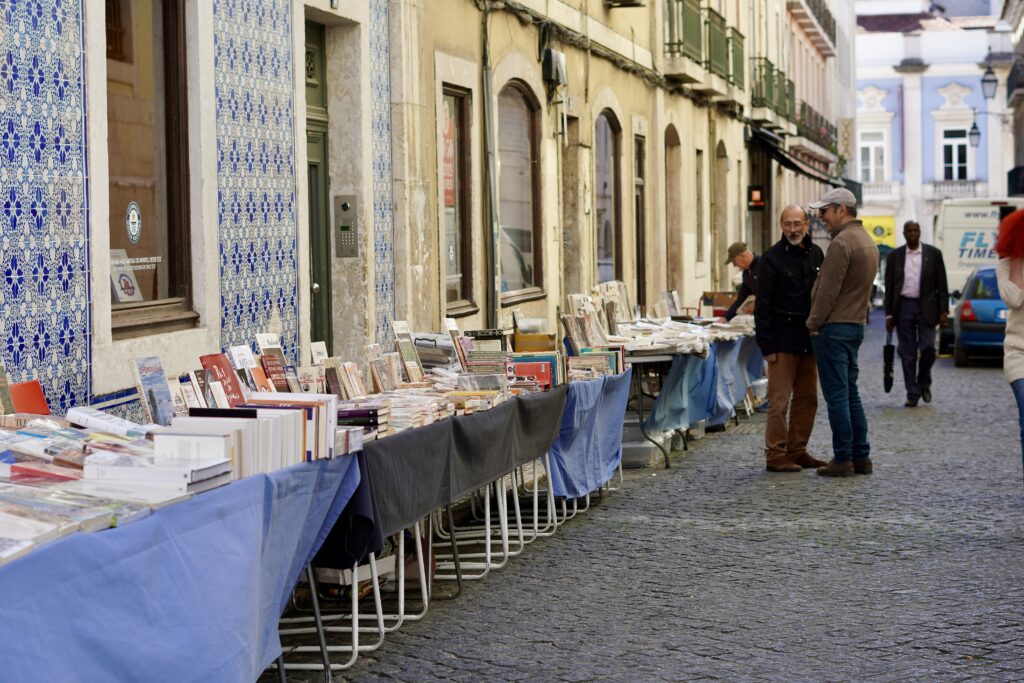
(925, 130)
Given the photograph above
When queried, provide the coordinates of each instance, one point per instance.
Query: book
(268, 342)
(6, 402)
(275, 370)
(95, 419)
(333, 381)
(407, 349)
(120, 467)
(188, 392)
(177, 396)
(310, 379)
(201, 382)
(261, 381)
(28, 397)
(219, 396)
(155, 394)
(318, 352)
(380, 373)
(221, 370)
(292, 376)
(242, 357)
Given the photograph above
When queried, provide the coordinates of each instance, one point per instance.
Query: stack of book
(372, 417)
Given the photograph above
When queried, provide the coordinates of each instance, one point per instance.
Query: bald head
(794, 223)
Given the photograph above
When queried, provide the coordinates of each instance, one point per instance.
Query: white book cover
(117, 466)
(268, 340)
(129, 491)
(96, 420)
(242, 357)
(18, 528)
(245, 440)
(188, 392)
(318, 352)
(171, 447)
(219, 396)
(177, 396)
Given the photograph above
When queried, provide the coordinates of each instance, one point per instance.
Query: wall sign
(133, 222)
(755, 197)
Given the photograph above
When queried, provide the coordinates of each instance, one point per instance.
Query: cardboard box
(524, 341)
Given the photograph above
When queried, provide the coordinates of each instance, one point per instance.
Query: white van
(965, 231)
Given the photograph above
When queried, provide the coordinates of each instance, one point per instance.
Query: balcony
(954, 189)
(1015, 83)
(814, 18)
(763, 96)
(684, 41)
(738, 62)
(813, 126)
(881, 191)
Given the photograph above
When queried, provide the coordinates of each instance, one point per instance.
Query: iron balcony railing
(824, 17)
(816, 128)
(718, 46)
(764, 83)
(684, 29)
(738, 62)
(791, 100)
(780, 92)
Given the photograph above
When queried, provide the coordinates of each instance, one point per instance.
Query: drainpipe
(493, 273)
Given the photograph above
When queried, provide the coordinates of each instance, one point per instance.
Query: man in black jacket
(786, 276)
(916, 300)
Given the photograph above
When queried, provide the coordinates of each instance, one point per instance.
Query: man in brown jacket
(839, 304)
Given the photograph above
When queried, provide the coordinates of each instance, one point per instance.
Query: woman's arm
(1010, 275)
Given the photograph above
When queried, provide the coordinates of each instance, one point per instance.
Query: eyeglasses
(793, 224)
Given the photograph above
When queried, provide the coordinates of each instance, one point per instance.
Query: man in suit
(916, 301)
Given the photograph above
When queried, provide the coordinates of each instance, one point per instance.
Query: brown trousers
(793, 376)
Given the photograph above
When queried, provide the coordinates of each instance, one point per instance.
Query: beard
(794, 240)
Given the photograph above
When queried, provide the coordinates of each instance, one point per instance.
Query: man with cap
(839, 300)
(741, 257)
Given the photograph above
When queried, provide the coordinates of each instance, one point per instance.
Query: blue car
(979, 318)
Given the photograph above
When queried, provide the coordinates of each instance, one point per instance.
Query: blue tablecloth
(589, 445)
(688, 393)
(191, 593)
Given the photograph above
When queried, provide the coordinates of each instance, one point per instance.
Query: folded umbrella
(888, 355)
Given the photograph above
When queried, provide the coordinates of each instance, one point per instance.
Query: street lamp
(974, 135)
(989, 83)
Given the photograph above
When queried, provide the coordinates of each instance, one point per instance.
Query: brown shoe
(837, 469)
(807, 461)
(781, 465)
(862, 466)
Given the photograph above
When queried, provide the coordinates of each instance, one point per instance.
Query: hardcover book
(275, 371)
(157, 403)
(318, 352)
(221, 371)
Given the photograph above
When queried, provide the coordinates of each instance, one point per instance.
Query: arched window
(519, 189)
(607, 170)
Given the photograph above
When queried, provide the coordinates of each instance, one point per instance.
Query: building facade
(926, 132)
(179, 176)
(1012, 12)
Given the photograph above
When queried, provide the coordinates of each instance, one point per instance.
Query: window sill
(142, 319)
(460, 309)
(522, 296)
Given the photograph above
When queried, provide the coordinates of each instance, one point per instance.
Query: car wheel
(959, 355)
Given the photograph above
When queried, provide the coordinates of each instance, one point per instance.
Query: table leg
(321, 637)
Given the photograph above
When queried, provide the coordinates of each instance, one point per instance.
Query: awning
(773, 144)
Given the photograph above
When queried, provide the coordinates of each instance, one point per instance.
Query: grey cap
(837, 195)
(735, 249)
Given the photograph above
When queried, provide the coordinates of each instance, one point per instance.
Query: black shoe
(926, 394)
(911, 403)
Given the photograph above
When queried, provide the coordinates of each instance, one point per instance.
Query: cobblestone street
(716, 569)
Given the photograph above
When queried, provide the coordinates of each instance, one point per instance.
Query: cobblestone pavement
(718, 570)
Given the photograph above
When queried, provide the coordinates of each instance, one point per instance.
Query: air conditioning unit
(553, 68)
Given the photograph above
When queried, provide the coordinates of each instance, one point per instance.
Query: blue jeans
(835, 351)
(1018, 393)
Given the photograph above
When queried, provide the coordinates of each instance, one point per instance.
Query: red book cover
(540, 372)
(28, 397)
(222, 371)
(275, 371)
(23, 472)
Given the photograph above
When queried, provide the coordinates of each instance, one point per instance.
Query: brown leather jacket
(842, 292)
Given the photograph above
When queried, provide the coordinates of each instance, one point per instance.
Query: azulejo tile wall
(383, 216)
(256, 170)
(44, 235)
